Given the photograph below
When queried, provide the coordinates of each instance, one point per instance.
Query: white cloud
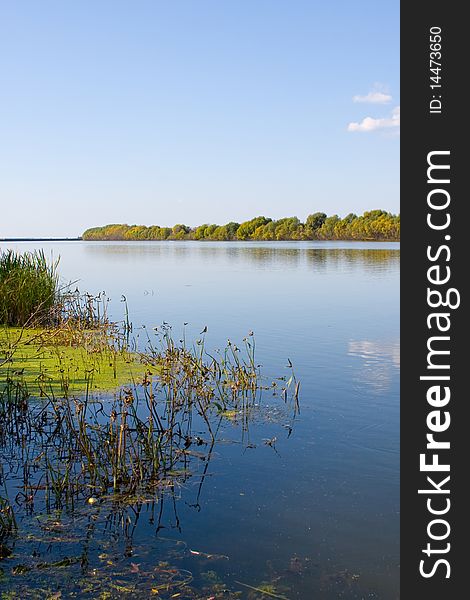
(380, 361)
(376, 97)
(371, 124)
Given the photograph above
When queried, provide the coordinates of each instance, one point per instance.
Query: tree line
(372, 225)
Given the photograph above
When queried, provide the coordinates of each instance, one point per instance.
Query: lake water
(320, 511)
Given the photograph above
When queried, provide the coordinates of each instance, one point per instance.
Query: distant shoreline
(77, 239)
(2, 240)
(373, 225)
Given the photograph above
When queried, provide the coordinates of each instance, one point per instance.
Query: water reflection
(88, 477)
(75, 528)
(266, 256)
(325, 509)
(379, 358)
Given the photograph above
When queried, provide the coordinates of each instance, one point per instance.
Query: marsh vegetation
(93, 431)
(28, 288)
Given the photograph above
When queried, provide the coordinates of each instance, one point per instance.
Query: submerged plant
(8, 525)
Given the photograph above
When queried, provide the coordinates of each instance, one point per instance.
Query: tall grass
(28, 288)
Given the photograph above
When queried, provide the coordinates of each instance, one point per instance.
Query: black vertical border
(421, 133)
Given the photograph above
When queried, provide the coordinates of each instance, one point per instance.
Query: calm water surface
(324, 508)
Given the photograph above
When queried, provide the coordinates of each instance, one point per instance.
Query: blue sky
(162, 112)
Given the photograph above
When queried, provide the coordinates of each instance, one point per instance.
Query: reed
(29, 288)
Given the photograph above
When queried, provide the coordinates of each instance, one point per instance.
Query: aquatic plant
(7, 524)
(28, 287)
(140, 438)
(92, 431)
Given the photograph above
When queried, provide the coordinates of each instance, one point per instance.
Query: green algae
(64, 362)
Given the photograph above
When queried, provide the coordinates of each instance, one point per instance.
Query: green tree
(179, 231)
(314, 223)
(246, 229)
(220, 233)
(287, 229)
(327, 230)
(209, 231)
(199, 233)
(372, 225)
(232, 229)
